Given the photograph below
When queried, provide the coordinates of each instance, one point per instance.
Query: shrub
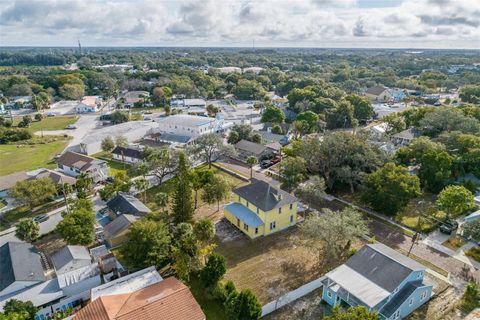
(11, 135)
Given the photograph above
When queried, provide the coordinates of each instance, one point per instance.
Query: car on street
(265, 164)
(71, 127)
(41, 218)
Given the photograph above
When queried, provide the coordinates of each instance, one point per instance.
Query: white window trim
(329, 293)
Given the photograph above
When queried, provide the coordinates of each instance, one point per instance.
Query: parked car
(41, 218)
(265, 164)
(448, 226)
(50, 114)
(71, 127)
(276, 159)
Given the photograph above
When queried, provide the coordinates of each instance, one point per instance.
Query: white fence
(292, 296)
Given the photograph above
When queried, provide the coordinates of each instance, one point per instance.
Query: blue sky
(270, 23)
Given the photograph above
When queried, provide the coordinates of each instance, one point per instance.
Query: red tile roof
(169, 299)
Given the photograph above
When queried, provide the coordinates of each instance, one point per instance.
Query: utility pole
(64, 195)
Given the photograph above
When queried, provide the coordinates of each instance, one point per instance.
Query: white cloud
(343, 23)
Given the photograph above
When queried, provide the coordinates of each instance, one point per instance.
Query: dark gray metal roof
(125, 203)
(251, 147)
(382, 265)
(132, 152)
(389, 309)
(264, 196)
(19, 262)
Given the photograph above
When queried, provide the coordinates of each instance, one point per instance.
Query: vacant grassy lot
(29, 157)
(273, 265)
(49, 123)
(421, 214)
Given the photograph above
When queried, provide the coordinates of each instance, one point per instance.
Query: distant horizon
(238, 47)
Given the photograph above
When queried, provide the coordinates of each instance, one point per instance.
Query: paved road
(394, 238)
(55, 217)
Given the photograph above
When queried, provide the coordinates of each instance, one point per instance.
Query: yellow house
(260, 209)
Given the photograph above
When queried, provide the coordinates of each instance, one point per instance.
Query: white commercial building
(188, 103)
(184, 128)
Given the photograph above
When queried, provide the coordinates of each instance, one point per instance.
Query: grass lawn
(273, 265)
(454, 243)
(473, 253)
(29, 157)
(422, 209)
(117, 167)
(49, 123)
(212, 308)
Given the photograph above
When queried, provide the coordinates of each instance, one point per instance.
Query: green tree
(362, 107)
(390, 188)
(216, 190)
(470, 94)
(121, 141)
(239, 132)
(107, 144)
(292, 172)
(213, 270)
(161, 162)
(357, 313)
(72, 91)
(83, 185)
(161, 199)
(312, 192)
(332, 233)
(199, 178)
(142, 185)
(310, 119)
(119, 116)
(148, 245)
(14, 306)
(212, 110)
(78, 227)
(342, 116)
(273, 115)
(209, 147)
(204, 230)
(455, 200)
(32, 192)
(182, 208)
(41, 101)
(243, 306)
(38, 117)
(27, 230)
(471, 297)
(251, 161)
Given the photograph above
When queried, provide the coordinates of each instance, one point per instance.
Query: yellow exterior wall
(281, 220)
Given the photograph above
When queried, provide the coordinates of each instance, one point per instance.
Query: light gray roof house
(19, 262)
(124, 203)
(71, 258)
(264, 196)
(381, 279)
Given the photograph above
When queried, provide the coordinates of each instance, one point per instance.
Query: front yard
(49, 123)
(25, 157)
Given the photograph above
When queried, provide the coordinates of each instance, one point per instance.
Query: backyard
(25, 157)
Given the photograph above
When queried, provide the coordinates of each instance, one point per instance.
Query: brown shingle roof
(7, 182)
(76, 160)
(169, 299)
(377, 90)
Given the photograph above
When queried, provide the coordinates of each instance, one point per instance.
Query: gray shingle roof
(250, 147)
(376, 90)
(382, 265)
(264, 196)
(132, 152)
(121, 223)
(19, 262)
(124, 203)
(77, 256)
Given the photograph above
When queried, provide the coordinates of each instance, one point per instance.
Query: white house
(72, 164)
(379, 94)
(184, 128)
(188, 103)
(89, 104)
(130, 154)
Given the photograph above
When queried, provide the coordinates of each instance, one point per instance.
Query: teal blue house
(381, 279)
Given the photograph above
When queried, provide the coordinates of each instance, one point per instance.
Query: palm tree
(142, 186)
(84, 182)
(251, 161)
